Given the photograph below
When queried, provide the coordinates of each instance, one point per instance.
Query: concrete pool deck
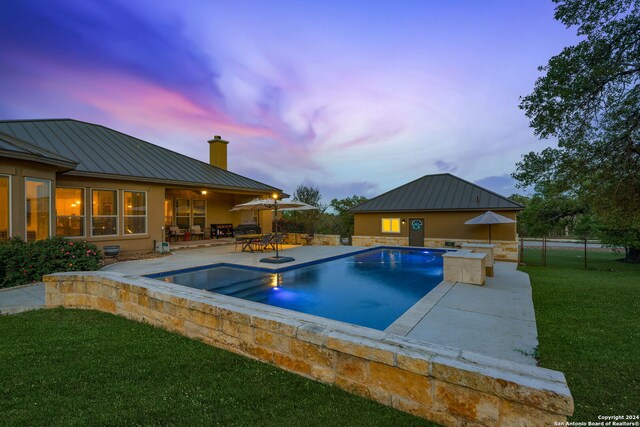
(496, 320)
(22, 298)
(186, 258)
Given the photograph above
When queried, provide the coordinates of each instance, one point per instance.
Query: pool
(371, 288)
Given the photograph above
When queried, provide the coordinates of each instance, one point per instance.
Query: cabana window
(391, 225)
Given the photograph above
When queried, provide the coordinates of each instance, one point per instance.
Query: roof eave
(60, 165)
(170, 182)
(438, 210)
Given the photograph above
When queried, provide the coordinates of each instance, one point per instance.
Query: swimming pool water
(370, 289)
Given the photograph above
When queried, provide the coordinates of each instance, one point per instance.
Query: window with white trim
(104, 212)
(135, 212)
(199, 207)
(5, 207)
(69, 212)
(183, 213)
(168, 213)
(38, 208)
(391, 225)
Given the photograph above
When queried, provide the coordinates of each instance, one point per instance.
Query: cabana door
(416, 232)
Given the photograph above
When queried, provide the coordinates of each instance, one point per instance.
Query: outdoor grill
(247, 228)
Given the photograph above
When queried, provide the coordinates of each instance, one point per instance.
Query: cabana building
(85, 181)
(433, 210)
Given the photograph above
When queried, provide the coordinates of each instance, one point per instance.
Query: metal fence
(535, 251)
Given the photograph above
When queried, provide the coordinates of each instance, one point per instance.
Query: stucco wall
(442, 384)
(438, 225)
(439, 228)
(155, 212)
(218, 204)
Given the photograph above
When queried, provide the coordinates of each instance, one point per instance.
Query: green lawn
(589, 328)
(74, 367)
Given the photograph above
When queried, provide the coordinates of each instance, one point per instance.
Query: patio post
(275, 214)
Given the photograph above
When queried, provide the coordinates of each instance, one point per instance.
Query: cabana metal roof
(106, 153)
(441, 192)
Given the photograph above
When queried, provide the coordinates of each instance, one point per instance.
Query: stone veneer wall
(318, 239)
(379, 240)
(442, 384)
(505, 250)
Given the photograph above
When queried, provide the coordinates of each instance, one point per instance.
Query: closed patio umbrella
(268, 204)
(490, 218)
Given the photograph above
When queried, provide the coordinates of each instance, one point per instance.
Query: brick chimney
(218, 152)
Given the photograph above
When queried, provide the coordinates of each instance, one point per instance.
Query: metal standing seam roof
(15, 148)
(103, 152)
(440, 192)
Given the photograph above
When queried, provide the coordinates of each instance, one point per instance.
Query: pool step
(225, 283)
(239, 289)
(250, 293)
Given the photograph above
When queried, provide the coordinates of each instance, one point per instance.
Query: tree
(345, 218)
(309, 194)
(589, 99)
(543, 215)
(587, 226)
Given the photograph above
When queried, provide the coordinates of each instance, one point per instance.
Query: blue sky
(355, 97)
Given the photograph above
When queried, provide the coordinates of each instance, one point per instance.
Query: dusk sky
(356, 97)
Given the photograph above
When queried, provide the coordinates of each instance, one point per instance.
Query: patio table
(247, 239)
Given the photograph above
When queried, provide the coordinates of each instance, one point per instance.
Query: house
(85, 181)
(432, 210)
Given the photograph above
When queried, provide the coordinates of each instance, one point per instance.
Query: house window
(5, 207)
(199, 213)
(135, 212)
(168, 213)
(391, 225)
(104, 212)
(183, 213)
(69, 212)
(38, 208)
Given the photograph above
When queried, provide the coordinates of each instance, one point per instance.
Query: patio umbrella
(306, 207)
(268, 204)
(490, 218)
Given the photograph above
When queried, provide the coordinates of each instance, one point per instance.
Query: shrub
(22, 263)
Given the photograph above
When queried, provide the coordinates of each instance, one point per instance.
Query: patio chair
(308, 238)
(197, 231)
(261, 244)
(239, 240)
(175, 232)
(277, 240)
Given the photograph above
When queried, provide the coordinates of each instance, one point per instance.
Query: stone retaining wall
(505, 250)
(442, 384)
(318, 239)
(379, 240)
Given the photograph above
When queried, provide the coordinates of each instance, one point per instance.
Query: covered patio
(186, 207)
